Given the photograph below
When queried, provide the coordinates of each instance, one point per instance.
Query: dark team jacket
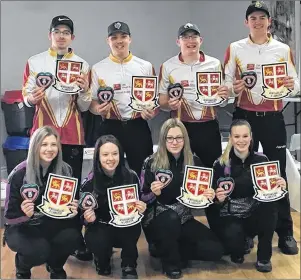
(169, 193)
(241, 173)
(13, 213)
(121, 177)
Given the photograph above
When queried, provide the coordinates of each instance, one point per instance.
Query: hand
(73, 207)
(141, 206)
(147, 114)
(289, 82)
(156, 187)
(223, 91)
(220, 194)
(174, 103)
(83, 82)
(281, 183)
(37, 95)
(89, 215)
(103, 109)
(209, 193)
(238, 86)
(27, 207)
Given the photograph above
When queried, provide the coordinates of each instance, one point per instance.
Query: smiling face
(189, 42)
(48, 150)
(241, 138)
(109, 157)
(258, 22)
(120, 44)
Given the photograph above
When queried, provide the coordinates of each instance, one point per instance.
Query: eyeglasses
(187, 37)
(170, 139)
(65, 33)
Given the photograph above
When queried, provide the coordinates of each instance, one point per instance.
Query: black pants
(176, 242)
(233, 231)
(135, 138)
(270, 131)
(101, 238)
(36, 245)
(205, 140)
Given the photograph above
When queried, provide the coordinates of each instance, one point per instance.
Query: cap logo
(117, 25)
(60, 19)
(188, 25)
(258, 4)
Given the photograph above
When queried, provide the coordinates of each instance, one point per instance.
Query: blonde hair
(224, 159)
(33, 174)
(160, 158)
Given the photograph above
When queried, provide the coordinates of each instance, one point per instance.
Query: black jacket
(98, 185)
(169, 193)
(13, 213)
(240, 172)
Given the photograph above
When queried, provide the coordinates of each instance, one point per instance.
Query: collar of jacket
(269, 35)
(102, 181)
(116, 60)
(235, 159)
(202, 57)
(44, 178)
(173, 160)
(67, 55)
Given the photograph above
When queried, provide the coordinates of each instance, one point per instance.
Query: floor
(284, 267)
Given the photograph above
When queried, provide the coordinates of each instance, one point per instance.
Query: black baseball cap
(62, 20)
(118, 26)
(257, 6)
(188, 27)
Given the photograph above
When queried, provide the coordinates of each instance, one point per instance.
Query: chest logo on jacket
(164, 176)
(196, 181)
(207, 84)
(66, 74)
(30, 192)
(264, 176)
(59, 193)
(122, 203)
(144, 93)
(87, 201)
(273, 78)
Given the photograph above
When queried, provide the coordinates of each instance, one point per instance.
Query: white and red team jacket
(243, 56)
(175, 70)
(109, 72)
(57, 109)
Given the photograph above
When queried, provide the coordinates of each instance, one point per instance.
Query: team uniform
(265, 116)
(122, 121)
(100, 236)
(200, 121)
(57, 109)
(37, 239)
(170, 225)
(240, 215)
